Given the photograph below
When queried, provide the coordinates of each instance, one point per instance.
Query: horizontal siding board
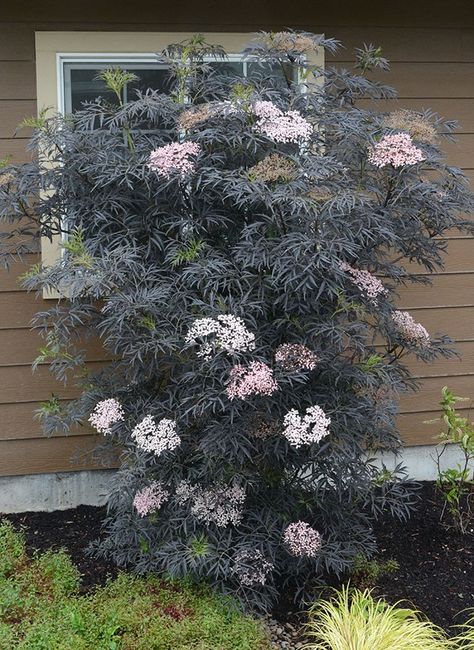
(461, 110)
(447, 290)
(428, 79)
(12, 112)
(17, 308)
(457, 365)
(425, 44)
(457, 322)
(430, 393)
(416, 428)
(418, 44)
(38, 456)
(459, 258)
(9, 279)
(21, 347)
(15, 149)
(21, 384)
(265, 14)
(17, 80)
(18, 423)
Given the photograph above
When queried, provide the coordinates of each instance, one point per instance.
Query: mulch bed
(436, 572)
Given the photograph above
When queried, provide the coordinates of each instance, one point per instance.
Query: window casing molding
(55, 49)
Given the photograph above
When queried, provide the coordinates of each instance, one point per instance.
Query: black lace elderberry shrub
(237, 245)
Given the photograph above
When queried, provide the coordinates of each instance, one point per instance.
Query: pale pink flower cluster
(106, 413)
(251, 567)
(229, 333)
(150, 498)
(218, 504)
(256, 379)
(174, 158)
(368, 284)
(156, 438)
(280, 126)
(396, 150)
(295, 356)
(310, 428)
(412, 331)
(302, 540)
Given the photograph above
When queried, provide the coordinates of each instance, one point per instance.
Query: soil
(436, 565)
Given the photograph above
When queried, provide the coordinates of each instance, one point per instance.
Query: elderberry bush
(237, 245)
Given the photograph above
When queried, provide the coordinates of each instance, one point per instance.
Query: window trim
(54, 48)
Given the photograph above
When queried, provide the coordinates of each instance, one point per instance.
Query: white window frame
(54, 49)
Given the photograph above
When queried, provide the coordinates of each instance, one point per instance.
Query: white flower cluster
(308, 429)
(217, 504)
(156, 438)
(410, 330)
(105, 414)
(251, 567)
(150, 498)
(228, 331)
(302, 540)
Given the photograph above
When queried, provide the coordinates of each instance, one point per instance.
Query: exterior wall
(432, 55)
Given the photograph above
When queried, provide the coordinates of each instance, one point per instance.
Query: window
(67, 65)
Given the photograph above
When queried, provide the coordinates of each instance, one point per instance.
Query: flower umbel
(310, 428)
(150, 499)
(302, 540)
(156, 438)
(174, 158)
(217, 504)
(256, 379)
(106, 413)
(228, 333)
(295, 356)
(409, 329)
(413, 123)
(396, 150)
(251, 567)
(280, 126)
(273, 169)
(366, 282)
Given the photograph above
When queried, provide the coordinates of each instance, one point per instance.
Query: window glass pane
(84, 87)
(155, 78)
(228, 68)
(81, 85)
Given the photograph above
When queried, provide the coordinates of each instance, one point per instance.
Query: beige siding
(432, 54)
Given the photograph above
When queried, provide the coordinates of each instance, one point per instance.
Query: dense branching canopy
(237, 245)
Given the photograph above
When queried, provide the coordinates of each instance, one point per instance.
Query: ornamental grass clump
(242, 242)
(355, 620)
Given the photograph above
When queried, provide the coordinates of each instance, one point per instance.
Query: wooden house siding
(432, 57)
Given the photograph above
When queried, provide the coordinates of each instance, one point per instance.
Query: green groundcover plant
(237, 244)
(41, 609)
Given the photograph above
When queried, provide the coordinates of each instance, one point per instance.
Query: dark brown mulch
(436, 571)
(72, 530)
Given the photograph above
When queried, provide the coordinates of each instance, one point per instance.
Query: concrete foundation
(47, 492)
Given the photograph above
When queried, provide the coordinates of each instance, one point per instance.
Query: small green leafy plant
(456, 484)
(366, 573)
(41, 609)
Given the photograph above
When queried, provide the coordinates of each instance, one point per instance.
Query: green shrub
(366, 573)
(41, 609)
(355, 620)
